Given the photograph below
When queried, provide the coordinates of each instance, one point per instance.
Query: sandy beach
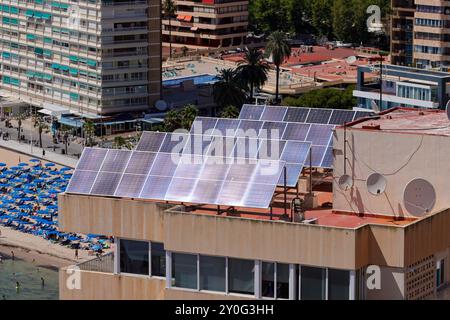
(31, 248)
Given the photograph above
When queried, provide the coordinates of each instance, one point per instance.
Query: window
(282, 281)
(312, 283)
(338, 284)
(440, 273)
(158, 260)
(268, 280)
(134, 257)
(212, 273)
(241, 276)
(184, 270)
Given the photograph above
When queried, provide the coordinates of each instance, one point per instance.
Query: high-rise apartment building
(207, 23)
(419, 34)
(90, 57)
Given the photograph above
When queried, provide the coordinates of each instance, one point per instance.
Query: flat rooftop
(406, 120)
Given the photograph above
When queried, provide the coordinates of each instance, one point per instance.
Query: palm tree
(41, 126)
(229, 112)
(169, 9)
(20, 117)
(253, 70)
(188, 115)
(119, 142)
(229, 89)
(279, 49)
(89, 130)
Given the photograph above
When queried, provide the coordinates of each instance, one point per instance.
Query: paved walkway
(36, 152)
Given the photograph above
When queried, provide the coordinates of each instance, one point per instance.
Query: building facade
(207, 23)
(402, 86)
(419, 33)
(87, 57)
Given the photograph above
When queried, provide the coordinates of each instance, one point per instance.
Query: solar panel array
(302, 115)
(149, 172)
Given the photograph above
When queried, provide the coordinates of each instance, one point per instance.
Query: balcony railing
(103, 263)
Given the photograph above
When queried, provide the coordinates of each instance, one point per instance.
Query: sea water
(29, 277)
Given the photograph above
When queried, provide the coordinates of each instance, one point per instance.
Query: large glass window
(134, 257)
(184, 270)
(312, 283)
(440, 273)
(241, 277)
(158, 260)
(212, 273)
(338, 284)
(268, 280)
(282, 281)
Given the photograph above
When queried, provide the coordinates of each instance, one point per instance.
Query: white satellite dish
(345, 182)
(376, 184)
(447, 109)
(161, 105)
(351, 59)
(375, 106)
(419, 197)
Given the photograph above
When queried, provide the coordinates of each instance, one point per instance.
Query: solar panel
(249, 128)
(296, 131)
(327, 161)
(106, 183)
(317, 154)
(293, 172)
(259, 196)
(180, 190)
(174, 142)
(189, 166)
(251, 112)
(270, 149)
(201, 125)
(319, 116)
(150, 141)
(363, 114)
(320, 134)
(155, 187)
(273, 113)
(295, 152)
(140, 162)
(91, 159)
(296, 114)
(215, 168)
(222, 146)
(232, 193)
(340, 117)
(242, 170)
(226, 127)
(272, 130)
(245, 147)
(165, 164)
(130, 186)
(116, 160)
(198, 144)
(206, 191)
(268, 172)
(81, 181)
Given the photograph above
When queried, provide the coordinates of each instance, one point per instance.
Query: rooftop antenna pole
(345, 148)
(381, 81)
(310, 171)
(285, 191)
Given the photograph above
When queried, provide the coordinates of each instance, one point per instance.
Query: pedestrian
(42, 282)
(12, 255)
(17, 286)
(76, 253)
(43, 152)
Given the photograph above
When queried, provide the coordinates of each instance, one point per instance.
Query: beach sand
(32, 248)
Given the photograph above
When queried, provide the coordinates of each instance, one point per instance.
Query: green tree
(324, 98)
(229, 112)
(169, 9)
(172, 121)
(271, 15)
(20, 118)
(89, 131)
(120, 142)
(188, 114)
(279, 49)
(229, 89)
(180, 119)
(253, 70)
(321, 17)
(343, 20)
(40, 124)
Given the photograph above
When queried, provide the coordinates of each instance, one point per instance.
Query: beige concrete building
(207, 23)
(83, 57)
(369, 245)
(420, 33)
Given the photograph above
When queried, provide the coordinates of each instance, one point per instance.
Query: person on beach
(76, 253)
(17, 286)
(12, 255)
(42, 282)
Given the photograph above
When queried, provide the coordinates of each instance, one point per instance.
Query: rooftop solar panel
(116, 160)
(91, 159)
(180, 190)
(296, 152)
(155, 187)
(270, 149)
(226, 127)
(296, 131)
(293, 172)
(206, 191)
(222, 146)
(130, 185)
(140, 162)
(81, 182)
(202, 125)
(317, 154)
(251, 112)
(259, 196)
(327, 161)
(198, 144)
(340, 117)
(232, 193)
(268, 172)
(242, 171)
(189, 166)
(249, 128)
(294, 114)
(106, 183)
(273, 114)
(272, 130)
(150, 141)
(320, 134)
(319, 116)
(165, 164)
(174, 142)
(363, 114)
(245, 147)
(215, 168)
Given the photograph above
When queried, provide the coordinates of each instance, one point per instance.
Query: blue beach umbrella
(23, 164)
(34, 160)
(2, 164)
(49, 164)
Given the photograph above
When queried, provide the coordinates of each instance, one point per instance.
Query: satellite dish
(376, 184)
(375, 106)
(447, 109)
(351, 59)
(345, 182)
(161, 105)
(419, 197)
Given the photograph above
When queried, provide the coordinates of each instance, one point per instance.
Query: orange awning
(187, 18)
(180, 17)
